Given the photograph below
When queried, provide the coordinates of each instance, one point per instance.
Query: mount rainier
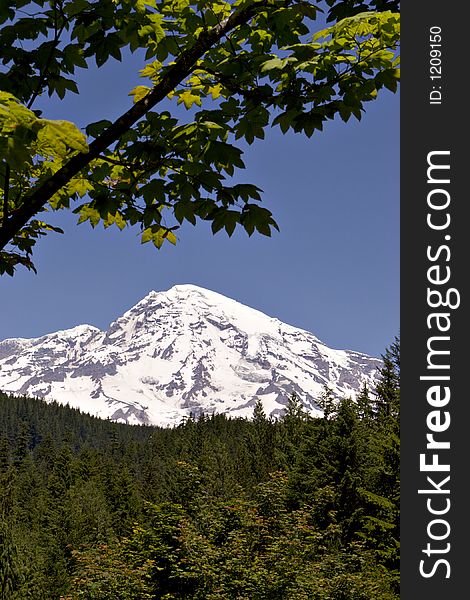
(186, 350)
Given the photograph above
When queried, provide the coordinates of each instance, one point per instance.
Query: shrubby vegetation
(215, 509)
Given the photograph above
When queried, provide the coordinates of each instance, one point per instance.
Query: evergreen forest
(218, 508)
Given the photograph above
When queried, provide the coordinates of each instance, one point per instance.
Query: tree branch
(36, 200)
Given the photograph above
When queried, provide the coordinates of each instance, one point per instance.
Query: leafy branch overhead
(216, 74)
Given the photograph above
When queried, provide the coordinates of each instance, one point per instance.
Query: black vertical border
(425, 128)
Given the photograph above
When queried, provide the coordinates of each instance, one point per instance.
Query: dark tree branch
(35, 201)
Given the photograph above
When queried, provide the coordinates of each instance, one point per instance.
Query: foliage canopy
(236, 67)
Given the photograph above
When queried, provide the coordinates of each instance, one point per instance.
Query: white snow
(184, 350)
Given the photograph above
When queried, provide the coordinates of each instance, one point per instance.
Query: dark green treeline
(215, 509)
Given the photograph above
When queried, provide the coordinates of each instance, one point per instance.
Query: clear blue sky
(333, 269)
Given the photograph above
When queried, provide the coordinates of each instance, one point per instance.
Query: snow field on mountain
(186, 350)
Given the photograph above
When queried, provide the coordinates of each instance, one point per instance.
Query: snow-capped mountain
(186, 350)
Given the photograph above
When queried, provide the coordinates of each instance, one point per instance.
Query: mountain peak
(189, 290)
(180, 291)
(181, 351)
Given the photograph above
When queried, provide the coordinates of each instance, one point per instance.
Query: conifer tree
(260, 443)
(388, 389)
(294, 413)
(259, 414)
(346, 450)
(364, 404)
(327, 403)
(289, 432)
